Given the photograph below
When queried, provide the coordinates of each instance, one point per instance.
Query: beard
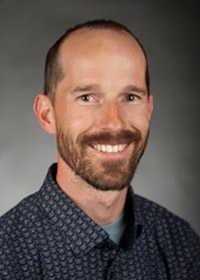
(108, 175)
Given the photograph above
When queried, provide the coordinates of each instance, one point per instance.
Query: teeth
(103, 148)
(110, 148)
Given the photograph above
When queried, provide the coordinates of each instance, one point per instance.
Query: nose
(111, 118)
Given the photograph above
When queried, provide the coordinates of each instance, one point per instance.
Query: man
(85, 222)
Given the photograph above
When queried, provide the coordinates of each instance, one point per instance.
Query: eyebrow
(86, 88)
(132, 88)
(94, 87)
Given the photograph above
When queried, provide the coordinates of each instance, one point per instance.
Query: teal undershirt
(115, 229)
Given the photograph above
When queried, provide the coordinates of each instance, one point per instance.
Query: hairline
(58, 63)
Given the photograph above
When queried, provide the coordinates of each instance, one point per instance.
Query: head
(97, 102)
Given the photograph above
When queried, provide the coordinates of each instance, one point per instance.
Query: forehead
(89, 43)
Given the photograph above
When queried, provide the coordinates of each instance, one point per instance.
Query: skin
(103, 90)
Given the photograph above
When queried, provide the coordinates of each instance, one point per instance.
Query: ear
(44, 112)
(150, 105)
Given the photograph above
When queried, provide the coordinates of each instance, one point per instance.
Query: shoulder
(152, 211)
(176, 240)
(23, 216)
(18, 239)
(160, 219)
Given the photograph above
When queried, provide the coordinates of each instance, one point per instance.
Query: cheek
(76, 120)
(139, 119)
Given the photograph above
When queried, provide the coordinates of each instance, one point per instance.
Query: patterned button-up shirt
(47, 237)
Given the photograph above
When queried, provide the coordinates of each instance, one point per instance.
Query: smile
(110, 148)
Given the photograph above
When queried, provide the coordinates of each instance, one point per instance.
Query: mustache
(122, 137)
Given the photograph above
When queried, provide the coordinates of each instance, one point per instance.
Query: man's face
(102, 109)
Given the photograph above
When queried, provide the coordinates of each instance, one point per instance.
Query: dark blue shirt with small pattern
(46, 236)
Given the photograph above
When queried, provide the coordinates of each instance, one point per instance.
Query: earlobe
(45, 113)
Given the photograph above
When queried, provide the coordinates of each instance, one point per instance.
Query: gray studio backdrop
(169, 30)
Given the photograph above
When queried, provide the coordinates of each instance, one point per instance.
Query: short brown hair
(53, 70)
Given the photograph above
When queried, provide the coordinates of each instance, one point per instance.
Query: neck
(103, 207)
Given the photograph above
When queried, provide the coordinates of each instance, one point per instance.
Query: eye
(86, 97)
(131, 97)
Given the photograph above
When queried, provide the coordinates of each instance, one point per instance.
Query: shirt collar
(81, 232)
(133, 221)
